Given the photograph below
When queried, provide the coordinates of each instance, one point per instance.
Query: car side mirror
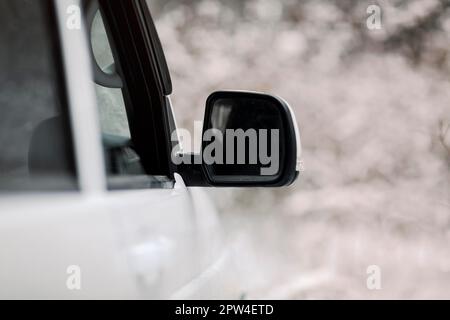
(249, 140)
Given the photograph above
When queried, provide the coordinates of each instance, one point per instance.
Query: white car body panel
(154, 243)
(43, 236)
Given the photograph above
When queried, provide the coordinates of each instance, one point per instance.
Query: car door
(152, 209)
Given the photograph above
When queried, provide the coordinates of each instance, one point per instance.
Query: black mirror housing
(258, 138)
(249, 140)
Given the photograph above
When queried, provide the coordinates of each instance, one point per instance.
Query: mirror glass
(242, 138)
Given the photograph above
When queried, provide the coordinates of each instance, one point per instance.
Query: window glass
(35, 142)
(122, 160)
(113, 115)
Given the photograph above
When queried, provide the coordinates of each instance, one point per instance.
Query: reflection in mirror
(249, 129)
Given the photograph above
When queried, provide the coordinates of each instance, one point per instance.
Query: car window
(132, 107)
(122, 160)
(35, 139)
(113, 115)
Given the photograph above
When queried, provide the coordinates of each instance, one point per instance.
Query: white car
(97, 200)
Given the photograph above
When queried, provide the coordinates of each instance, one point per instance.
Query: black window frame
(143, 91)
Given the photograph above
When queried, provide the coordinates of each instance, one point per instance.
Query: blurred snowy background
(373, 108)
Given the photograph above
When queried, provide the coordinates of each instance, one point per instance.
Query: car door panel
(42, 236)
(158, 237)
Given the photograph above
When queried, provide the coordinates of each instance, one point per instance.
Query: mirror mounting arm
(192, 173)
